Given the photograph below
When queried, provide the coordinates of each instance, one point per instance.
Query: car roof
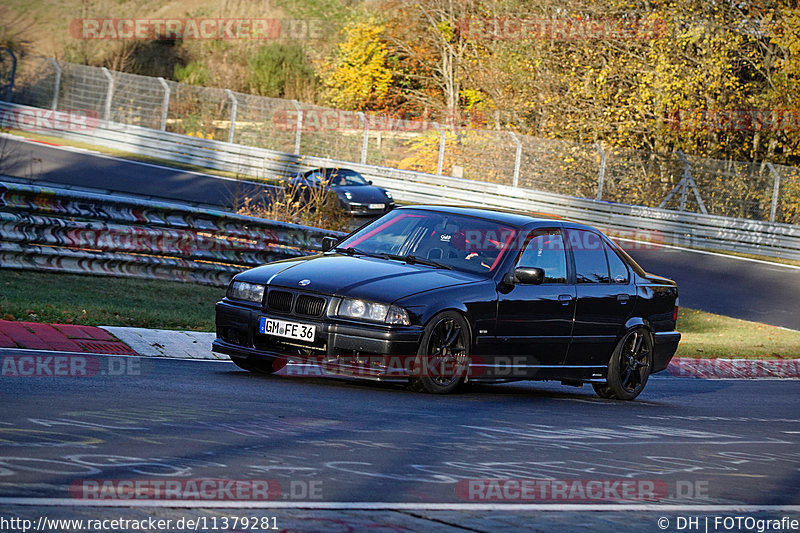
(332, 170)
(513, 218)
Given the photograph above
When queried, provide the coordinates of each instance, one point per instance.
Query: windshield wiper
(410, 259)
(356, 251)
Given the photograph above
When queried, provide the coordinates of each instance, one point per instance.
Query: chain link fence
(759, 191)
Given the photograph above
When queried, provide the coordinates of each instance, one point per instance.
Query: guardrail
(48, 228)
(671, 227)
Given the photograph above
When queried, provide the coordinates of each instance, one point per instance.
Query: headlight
(373, 312)
(388, 195)
(241, 290)
(348, 195)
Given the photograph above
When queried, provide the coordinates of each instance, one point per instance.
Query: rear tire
(629, 366)
(443, 354)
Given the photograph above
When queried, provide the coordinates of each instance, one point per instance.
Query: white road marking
(399, 506)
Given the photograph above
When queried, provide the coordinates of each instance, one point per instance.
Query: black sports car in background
(356, 195)
(438, 296)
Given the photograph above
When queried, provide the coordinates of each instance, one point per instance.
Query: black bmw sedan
(356, 195)
(440, 296)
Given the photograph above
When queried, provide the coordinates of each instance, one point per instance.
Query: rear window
(589, 250)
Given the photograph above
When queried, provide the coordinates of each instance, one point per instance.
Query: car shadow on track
(522, 390)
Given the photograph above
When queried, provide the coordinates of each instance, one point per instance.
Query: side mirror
(369, 181)
(529, 276)
(328, 243)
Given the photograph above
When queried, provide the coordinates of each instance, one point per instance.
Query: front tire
(443, 354)
(629, 366)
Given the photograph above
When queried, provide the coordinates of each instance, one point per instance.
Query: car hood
(365, 194)
(382, 280)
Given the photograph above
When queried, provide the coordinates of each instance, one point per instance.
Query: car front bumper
(336, 342)
(365, 209)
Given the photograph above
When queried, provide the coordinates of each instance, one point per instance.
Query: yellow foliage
(200, 134)
(358, 77)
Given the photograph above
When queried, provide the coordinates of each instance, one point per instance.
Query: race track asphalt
(683, 442)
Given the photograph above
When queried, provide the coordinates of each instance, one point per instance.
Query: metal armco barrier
(660, 225)
(47, 228)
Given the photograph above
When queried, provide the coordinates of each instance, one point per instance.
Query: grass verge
(99, 300)
(706, 335)
(106, 301)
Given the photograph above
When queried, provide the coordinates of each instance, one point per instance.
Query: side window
(545, 250)
(588, 249)
(314, 178)
(616, 266)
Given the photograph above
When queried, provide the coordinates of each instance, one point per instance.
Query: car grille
(291, 303)
(309, 305)
(280, 301)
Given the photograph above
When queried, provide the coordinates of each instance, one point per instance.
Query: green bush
(279, 71)
(194, 72)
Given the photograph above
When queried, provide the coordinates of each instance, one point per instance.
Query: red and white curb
(107, 340)
(734, 368)
(167, 343)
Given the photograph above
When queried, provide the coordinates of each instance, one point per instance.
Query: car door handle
(623, 298)
(565, 299)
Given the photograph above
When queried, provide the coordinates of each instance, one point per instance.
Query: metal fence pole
(686, 182)
(440, 162)
(164, 104)
(776, 187)
(109, 94)
(517, 158)
(365, 142)
(299, 135)
(56, 83)
(601, 177)
(234, 108)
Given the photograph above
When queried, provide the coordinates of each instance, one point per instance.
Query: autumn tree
(357, 77)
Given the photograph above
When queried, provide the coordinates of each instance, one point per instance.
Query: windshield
(334, 177)
(340, 178)
(459, 242)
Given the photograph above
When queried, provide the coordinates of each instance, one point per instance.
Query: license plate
(377, 206)
(290, 330)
